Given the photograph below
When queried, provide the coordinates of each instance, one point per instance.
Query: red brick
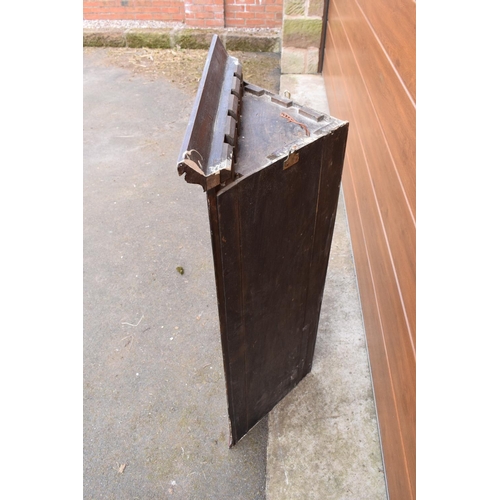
(116, 10)
(213, 8)
(172, 10)
(118, 16)
(247, 15)
(235, 8)
(214, 22)
(144, 16)
(134, 11)
(236, 23)
(255, 10)
(274, 8)
(265, 15)
(253, 22)
(204, 15)
(238, 12)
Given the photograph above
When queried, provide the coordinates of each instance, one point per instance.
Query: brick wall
(195, 13)
(204, 13)
(154, 10)
(254, 13)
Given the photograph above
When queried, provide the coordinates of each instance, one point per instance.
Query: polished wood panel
(372, 79)
(394, 26)
(369, 72)
(380, 176)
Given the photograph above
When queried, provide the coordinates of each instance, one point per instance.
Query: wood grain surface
(271, 231)
(369, 72)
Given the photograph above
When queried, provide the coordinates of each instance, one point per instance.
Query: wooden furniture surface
(275, 228)
(369, 73)
(272, 217)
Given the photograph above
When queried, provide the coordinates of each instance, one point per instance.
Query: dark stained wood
(221, 302)
(272, 196)
(271, 222)
(276, 226)
(369, 72)
(209, 147)
(326, 210)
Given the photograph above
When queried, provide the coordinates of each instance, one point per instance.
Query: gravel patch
(108, 23)
(104, 24)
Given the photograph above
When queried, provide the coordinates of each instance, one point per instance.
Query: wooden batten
(209, 148)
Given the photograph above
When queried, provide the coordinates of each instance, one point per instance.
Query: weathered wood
(271, 227)
(208, 151)
(276, 227)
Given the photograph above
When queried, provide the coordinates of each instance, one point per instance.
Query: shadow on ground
(155, 412)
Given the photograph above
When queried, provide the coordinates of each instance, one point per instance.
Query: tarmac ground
(155, 411)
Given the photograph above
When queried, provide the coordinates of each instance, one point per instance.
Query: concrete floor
(155, 411)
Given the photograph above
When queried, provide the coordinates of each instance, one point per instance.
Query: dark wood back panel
(369, 72)
(275, 231)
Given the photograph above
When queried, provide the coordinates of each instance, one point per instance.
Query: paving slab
(323, 438)
(155, 411)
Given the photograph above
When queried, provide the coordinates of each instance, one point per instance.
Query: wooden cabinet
(272, 223)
